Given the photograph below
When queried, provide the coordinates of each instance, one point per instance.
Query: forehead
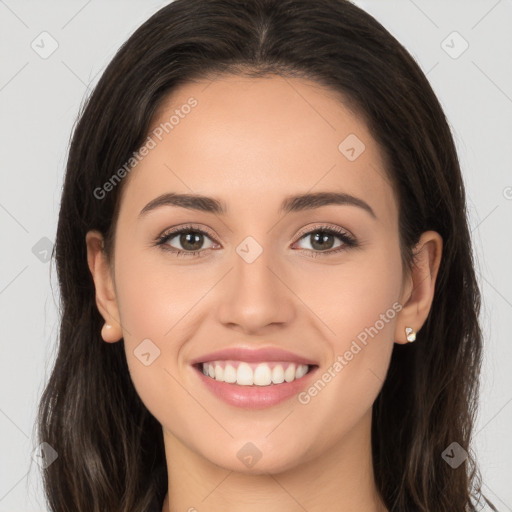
(252, 141)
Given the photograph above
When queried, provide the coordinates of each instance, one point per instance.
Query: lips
(261, 355)
(228, 375)
(253, 396)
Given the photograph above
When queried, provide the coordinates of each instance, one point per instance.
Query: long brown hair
(110, 448)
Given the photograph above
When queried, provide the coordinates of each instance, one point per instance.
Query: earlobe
(418, 298)
(105, 292)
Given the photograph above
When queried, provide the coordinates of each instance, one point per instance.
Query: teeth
(230, 374)
(278, 374)
(262, 374)
(244, 375)
(289, 373)
(302, 369)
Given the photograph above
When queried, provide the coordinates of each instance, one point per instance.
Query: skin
(251, 143)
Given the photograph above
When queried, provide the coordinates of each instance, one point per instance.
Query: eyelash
(348, 241)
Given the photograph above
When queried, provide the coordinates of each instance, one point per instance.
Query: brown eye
(323, 240)
(186, 241)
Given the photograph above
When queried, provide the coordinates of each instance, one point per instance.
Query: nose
(255, 295)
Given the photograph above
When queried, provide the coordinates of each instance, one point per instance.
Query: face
(320, 279)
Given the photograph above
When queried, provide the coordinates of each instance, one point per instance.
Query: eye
(321, 240)
(190, 238)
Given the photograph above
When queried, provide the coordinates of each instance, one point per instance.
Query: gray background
(39, 101)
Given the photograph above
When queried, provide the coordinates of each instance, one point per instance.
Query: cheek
(354, 296)
(154, 298)
(149, 306)
(360, 316)
(160, 308)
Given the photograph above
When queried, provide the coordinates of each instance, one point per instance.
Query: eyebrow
(294, 203)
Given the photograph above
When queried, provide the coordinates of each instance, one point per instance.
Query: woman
(207, 360)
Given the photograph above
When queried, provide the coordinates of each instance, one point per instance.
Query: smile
(253, 385)
(254, 374)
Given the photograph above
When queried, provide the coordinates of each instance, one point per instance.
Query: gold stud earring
(410, 334)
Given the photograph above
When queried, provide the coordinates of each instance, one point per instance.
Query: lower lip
(255, 397)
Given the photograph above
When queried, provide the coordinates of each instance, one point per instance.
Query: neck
(340, 479)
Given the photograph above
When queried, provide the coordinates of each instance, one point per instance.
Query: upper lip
(253, 355)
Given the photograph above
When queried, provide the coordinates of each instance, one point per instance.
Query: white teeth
(262, 375)
(289, 373)
(244, 376)
(302, 369)
(229, 374)
(278, 374)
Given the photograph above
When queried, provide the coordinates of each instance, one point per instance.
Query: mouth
(253, 385)
(265, 373)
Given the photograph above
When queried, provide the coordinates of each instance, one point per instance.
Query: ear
(418, 292)
(105, 290)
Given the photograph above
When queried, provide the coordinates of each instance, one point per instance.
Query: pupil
(186, 239)
(320, 238)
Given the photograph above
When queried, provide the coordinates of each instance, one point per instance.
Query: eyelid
(190, 227)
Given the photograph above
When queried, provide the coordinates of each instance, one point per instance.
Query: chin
(254, 458)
